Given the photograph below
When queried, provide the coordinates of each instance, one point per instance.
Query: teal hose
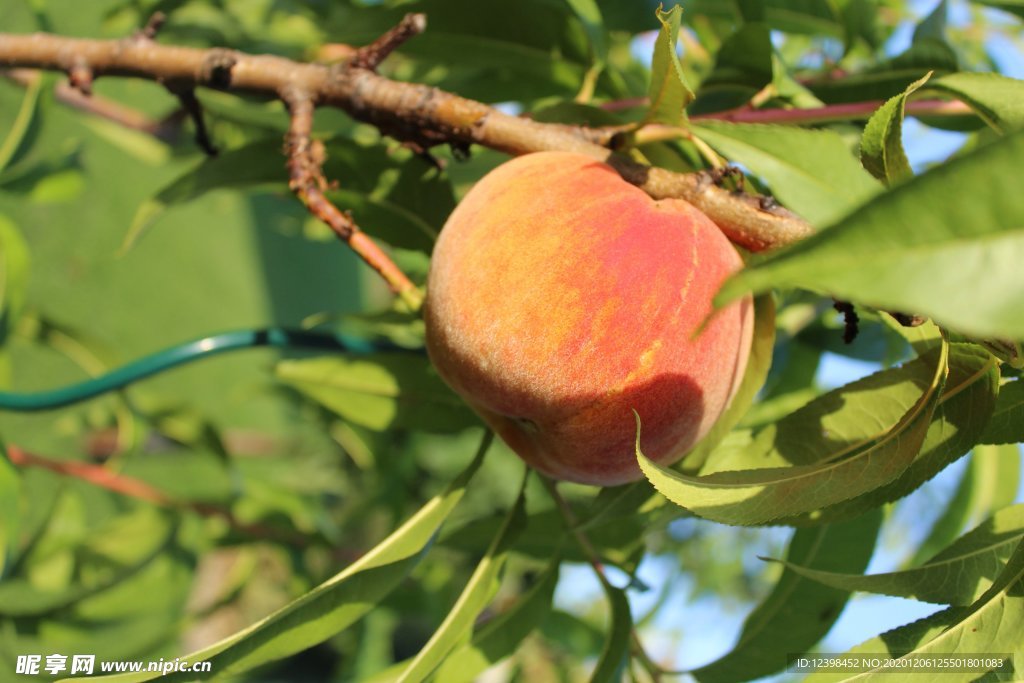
(186, 353)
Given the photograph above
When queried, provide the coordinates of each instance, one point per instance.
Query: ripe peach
(561, 298)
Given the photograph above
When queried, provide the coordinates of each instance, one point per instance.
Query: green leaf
(10, 486)
(989, 483)
(781, 624)
(1007, 422)
(743, 67)
(960, 416)
(668, 92)
(404, 202)
(500, 636)
(889, 78)
(933, 26)
(958, 575)
(810, 171)
(993, 624)
(23, 121)
(998, 99)
(759, 496)
(14, 273)
(881, 145)
(614, 658)
(589, 14)
(1011, 6)
(479, 590)
(946, 244)
(380, 391)
(758, 364)
(334, 604)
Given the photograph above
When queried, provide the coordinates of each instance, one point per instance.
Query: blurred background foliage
(287, 466)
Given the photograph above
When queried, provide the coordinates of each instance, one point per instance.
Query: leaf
(946, 244)
(989, 483)
(668, 92)
(889, 78)
(933, 26)
(10, 487)
(758, 496)
(743, 66)
(14, 273)
(380, 391)
(998, 99)
(589, 14)
(758, 364)
(797, 614)
(1007, 422)
(500, 636)
(23, 120)
(1011, 6)
(810, 171)
(992, 625)
(958, 575)
(334, 604)
(881, 145)
(479, 590)
(968, 398)
(403, 201)
(614, 657)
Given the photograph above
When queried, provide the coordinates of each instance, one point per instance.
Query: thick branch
(407, 111)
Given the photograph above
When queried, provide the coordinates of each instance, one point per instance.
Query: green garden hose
(174, 356)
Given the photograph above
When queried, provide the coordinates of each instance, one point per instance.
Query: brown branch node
(215, 69)
(80, 77)
(370, 56)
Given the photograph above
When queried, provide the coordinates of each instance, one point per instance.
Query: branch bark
(409, 112)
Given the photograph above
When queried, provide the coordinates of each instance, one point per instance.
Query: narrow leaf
(500, 637)
(998, 99)
(10, 486)
(881, 145)
(23, 121)
(958, 575)
(758, 496)
(334, 604)
(947, 245)
(668, 92)
(812, 172)
(383, 391)
(474, 598)
(992, 625)
(782, 625)
(1007, 422)
(615, 655)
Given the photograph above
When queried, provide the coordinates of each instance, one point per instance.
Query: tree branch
(409, 112)
(140, 490)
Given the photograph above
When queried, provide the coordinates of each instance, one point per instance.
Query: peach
(561, 298)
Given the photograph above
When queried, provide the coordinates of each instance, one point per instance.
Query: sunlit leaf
(946, 244)
(993, 624)
(881, 145)
(812, 172)
(668, 91)
(1007, 422)
(758, 496)
(780, 627)
(334, 604)
(479, 590)
(997, 99)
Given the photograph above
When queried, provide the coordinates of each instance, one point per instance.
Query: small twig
(80, 77)
(370, 56)
(152, 27)
(306, 180)
(190, 105)
(569, 518)
(833, 112)
(131, 487)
